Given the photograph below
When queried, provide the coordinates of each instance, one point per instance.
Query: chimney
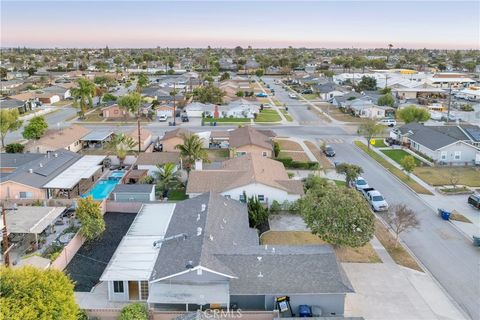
(204, 206)
(199, 165)
(199, 231)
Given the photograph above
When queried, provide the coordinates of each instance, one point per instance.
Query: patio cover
(82, 169)
(32, 219)
(216, 293)
(97, 135)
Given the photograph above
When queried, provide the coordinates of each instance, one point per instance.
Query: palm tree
(122, 143)
(84, 92)
(192, 150)
(166, 177)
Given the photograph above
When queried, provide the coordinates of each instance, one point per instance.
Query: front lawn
(439, 176)
(398, 155)
(286, 114)
(365, 254)
(268, 116)
(310, 96)
(379, 143)
(288, 145)
(394, 170)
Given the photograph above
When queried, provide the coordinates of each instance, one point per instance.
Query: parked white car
(388, 122)
(361, 183)
(292, 96)
(376, 200)
(162, 118)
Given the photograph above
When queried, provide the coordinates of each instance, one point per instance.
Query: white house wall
(256, 189)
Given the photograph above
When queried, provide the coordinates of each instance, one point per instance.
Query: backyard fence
(68, 252)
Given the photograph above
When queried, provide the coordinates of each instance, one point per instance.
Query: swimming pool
(103, 187)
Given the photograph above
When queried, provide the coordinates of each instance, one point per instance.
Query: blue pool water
(103, 187)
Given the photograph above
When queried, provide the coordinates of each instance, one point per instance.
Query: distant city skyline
(320, 24)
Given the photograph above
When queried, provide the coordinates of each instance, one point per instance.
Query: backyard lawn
(438, 176)
(398, 155)
(217, 154)
(177, 194)
(365, 254)
(268, 116)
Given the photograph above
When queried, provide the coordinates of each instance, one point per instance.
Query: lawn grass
(177, 194)
(286, 114)
(365, 254)
(276, 102)
(398, 155)
(310, 96)
(208, 120)
(93, 117)
(268, 116)
(457, 216)
(398, 253)
(335, 113)
(218, 154)
(288, 145)
(340, 183)
(319, 155)
(394, 170)
(439, 176)
(379, 143)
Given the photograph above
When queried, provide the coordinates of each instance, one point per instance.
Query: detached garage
(134, 192)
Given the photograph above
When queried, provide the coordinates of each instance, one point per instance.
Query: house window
(118, 286)
(143, 290)
(241, 153)
(264, 153)
(443, 155)
(26, 195)
(458, 155)
(242, 198)
(261, 198)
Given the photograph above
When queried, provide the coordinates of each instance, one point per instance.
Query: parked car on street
(329, 152)
(388, 122)
(184, 118)
(361, 183)
(262, 95)
(375, 199)
(162, 118)
(474, 200)
(292, 96)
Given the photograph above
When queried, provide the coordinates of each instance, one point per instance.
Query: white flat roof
(31, 219)
(135, 256)
(84, 168)
(97, 135)
(189, 293)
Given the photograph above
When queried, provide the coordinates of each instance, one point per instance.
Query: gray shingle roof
(11, 104)
(133, 188)
(15, 160)
(224, 226)
(286, 270)
(433, 137)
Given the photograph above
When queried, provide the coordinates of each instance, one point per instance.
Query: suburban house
(48, 97)
(328, 91)
(134, 193)
(449, 145)
(366, 109)
(145, 138)
(173, 138)
(250, 175)
(201, 253)
(198, 109)
(23, 176)
(453, 80)
(61, 91)
(344, 100)
(68, 138)
(11, 104)
(113, 112)
(150, 160)
(247, 140)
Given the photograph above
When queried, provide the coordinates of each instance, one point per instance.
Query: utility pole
(6, 254)
(174, 105)
(449, 101)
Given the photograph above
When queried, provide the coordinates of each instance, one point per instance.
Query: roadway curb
(455, 303)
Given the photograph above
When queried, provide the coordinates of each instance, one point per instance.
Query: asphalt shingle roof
(433, 137)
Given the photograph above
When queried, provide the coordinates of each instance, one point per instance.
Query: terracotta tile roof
(153, 158)
(249, 136)
(58, 139)
(242, 171)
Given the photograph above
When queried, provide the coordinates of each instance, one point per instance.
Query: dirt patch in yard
(295, 155)
(440, 176)
(398, 253)
(217, 154)
(457, 216)
(289, 145)
(365, 254)
(321, 158)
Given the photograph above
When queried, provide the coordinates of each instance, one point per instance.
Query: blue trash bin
(304, 311)
(444, 214)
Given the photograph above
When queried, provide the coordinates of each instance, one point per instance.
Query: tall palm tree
(166, 177)
(192, 150)
(122, 143)
(84, 92)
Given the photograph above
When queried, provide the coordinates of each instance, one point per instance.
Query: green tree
(470, 66)
(192, 150)
(36, 128)
(225, 76)
(259, 72)
(84, 92)
(31, 71)
(369, 129)
(257, 213)
(9, 122)
(142, 82)
(240, 94)
(3, 73)
(166, 177)
(90, 216)
(314, 181)
(413, 114)
(386, 100)
(14, 148)
(134, 311)
(339, 216)
(121, 143)
(109, 97)
(31, 293)
(209, 94)
(367, 83)
(408, 163)
(351, 172)
(130, 102)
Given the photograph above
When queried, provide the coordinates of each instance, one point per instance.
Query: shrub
(291, 164)
(14, 148)
(134, 311)
(276, 149)
(275, 206)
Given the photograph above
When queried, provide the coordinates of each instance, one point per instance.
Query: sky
(312, 24)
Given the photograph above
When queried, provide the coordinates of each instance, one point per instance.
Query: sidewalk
(42, 111)
(438, 200)
(390, 291)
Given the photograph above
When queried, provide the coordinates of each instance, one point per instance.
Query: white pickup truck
(375, 199)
